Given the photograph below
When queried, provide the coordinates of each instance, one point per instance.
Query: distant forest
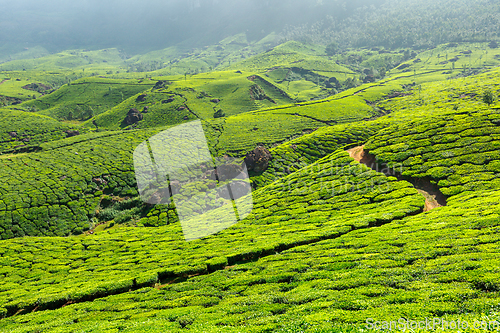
(406, 23)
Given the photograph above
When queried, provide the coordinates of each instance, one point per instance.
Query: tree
(219, 114)
(488, 97)
(332, 49)
(351, 83)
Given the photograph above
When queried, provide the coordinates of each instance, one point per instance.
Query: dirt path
(433, 197)
(359, 154)
(430, 201)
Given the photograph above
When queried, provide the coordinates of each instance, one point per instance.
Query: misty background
(138, 27)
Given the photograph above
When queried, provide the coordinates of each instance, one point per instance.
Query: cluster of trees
(412, 23)
(79, 112)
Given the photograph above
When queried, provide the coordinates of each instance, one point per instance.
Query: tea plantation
(329, 242)
(22, 130)
(441, 263)
(458, 152)
(327, 199)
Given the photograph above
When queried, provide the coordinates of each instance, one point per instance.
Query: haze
(140, 26)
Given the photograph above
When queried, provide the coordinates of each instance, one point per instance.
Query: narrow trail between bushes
(433, 197)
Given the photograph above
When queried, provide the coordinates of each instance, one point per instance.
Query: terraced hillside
(87, 97)
(20, 131)
(329, 242)
(438, 264)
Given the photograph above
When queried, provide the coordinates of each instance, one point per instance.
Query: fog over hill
(141, 26)
(154, 24)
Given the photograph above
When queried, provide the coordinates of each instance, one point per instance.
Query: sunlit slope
(293, 54)
(234, 135)
(195, 97)
(273, 120)
(86, 97)
(17, 86)
(427, 99)
(443, 263)
(276, 125)
(75, 192)
(324, 200)
(437, 129)
(20, 130)
(303, 71)
(431, 104)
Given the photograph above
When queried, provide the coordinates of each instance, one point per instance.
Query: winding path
(433, 197)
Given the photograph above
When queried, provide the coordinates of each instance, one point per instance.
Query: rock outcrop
(133, 117)
(71, 133)
(258, 159)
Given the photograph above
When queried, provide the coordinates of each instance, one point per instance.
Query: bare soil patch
(433, 197)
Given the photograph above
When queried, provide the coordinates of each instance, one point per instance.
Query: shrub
(219, 114)
(488, 97)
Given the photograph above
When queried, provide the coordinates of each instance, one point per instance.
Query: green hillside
(195, 97)
(180, 60)
(343, 226)
(359, 204)
(86, 97)
(438, 264)
(23, 130)
(107, 59)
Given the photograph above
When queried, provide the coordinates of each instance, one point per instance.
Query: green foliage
(296, 154)
(430, 265)
(332, 49)
(20, 130)
(42, 196)
(87, 97)
(329, 242)
(458, 151)
(405, 24)
(324, 200)
(488, 97)
(219, 114)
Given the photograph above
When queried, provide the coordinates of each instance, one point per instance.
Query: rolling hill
(342, 227)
